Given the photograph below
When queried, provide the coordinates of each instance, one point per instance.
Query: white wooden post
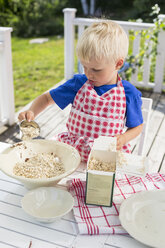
(84, 7)
(160, 60)
(80, 31)
(92, 7)
(7, 108)
(69, 15)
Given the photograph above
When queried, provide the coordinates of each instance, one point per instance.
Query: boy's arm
(130, 134)
(38, 105)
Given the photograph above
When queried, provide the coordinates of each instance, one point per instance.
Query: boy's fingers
(26, 115)
(119, 145)
(21, 116)
(118, 148)
(29, 116)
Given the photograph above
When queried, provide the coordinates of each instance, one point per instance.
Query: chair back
(146, 111)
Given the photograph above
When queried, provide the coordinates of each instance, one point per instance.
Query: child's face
(100, 73)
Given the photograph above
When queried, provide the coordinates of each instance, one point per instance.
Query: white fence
(7, 110)
(70, 21)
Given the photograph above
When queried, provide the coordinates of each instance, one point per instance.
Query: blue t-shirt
(65, 94)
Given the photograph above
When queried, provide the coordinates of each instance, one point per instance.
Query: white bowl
(68, 155)
(46, 204)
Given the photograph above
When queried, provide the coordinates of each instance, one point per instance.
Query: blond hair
(103, 40)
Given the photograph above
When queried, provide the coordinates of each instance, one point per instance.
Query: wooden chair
(146, 110)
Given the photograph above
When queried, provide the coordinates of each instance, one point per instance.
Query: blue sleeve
(65, 93)
(134, 103)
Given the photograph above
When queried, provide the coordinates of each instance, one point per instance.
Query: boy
(102, 103)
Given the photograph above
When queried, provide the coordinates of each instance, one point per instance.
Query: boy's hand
(26, 115)
(121, 140)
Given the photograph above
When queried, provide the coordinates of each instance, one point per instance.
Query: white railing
(70, 21)
(7, 109)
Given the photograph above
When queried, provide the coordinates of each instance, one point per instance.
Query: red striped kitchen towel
(93, 219)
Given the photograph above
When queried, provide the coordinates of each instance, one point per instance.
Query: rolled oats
(96, 164)
(41, 165)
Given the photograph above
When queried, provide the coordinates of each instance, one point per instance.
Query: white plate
(143, 217)
(46, 204)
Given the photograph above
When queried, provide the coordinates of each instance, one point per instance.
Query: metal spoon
(29, 130)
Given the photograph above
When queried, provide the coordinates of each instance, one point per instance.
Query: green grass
(36, 68)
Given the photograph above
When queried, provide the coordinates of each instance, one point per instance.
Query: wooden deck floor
(53, 120)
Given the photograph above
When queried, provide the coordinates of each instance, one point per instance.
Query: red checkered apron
(92, 116)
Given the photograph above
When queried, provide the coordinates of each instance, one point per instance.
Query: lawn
(36, 68)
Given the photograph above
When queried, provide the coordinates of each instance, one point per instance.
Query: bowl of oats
(39, 163)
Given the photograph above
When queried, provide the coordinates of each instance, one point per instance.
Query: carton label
(99, 189)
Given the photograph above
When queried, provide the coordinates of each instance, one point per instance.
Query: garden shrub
(31, 18)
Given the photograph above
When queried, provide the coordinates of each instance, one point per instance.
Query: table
(18, 230)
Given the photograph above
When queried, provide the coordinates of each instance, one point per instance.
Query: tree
(86, 9)
(33, 17)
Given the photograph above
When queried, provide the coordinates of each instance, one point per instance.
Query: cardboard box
(100, 183)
